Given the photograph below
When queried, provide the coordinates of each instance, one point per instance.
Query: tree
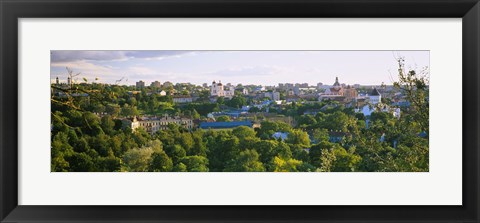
(222, 148)
(316, 152)
(80, 162)
(195, 163)
(160, 162)
(129, 111)
(308, 121)
(327, 159)
(195, 114)
(113, 110)
(344, 161)
(247, 161)
(180, 168)
(176, 152)
(185, 140)
(320, 135)
(109, 164)
(199, 146)
(107, 124)
(237, 101)
(253, 110)
(60, 149)
(266, 150)
(289, 165)
(243, 132)
(223, 118)
(299, 137)
(221, 100)
(137, 160)
(415, 86)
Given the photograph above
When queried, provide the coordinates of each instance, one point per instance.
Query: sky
(245, 67)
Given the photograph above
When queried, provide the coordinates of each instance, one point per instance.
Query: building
(350, 93)
(229, 92)
(182, 99)
(140, 85)
(243, 90)
(218, 90)
(335, 90)
(375, 97)
(339, 92)
(155, 124)
(156, 84)
(162, 93)
(304, 85)
(292, 98)
(368, 109)
(274, 96)
(167, 84)
(225, 125)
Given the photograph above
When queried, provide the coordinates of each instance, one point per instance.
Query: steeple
(336, 82)
(57, 81)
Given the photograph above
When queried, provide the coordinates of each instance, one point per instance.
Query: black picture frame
(12, 10)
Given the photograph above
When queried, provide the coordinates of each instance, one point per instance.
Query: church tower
(213, 89)
(336, 85)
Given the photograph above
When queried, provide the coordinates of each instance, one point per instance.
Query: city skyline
(245, 67)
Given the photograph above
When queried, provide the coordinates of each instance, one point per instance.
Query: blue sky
(245, 67)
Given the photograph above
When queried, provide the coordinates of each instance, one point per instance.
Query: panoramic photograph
(239, 111)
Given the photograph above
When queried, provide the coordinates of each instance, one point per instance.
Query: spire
(336, 82)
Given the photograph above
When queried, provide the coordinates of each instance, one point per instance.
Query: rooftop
(224, 125)
(374, 92)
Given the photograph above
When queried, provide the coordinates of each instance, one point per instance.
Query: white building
(155, 124)
(368, 109)
(217, 89)
(375, 97)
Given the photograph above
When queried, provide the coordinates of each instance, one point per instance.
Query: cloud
(85, 67)
(263, 70)
(141, 70)
(57, 56)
